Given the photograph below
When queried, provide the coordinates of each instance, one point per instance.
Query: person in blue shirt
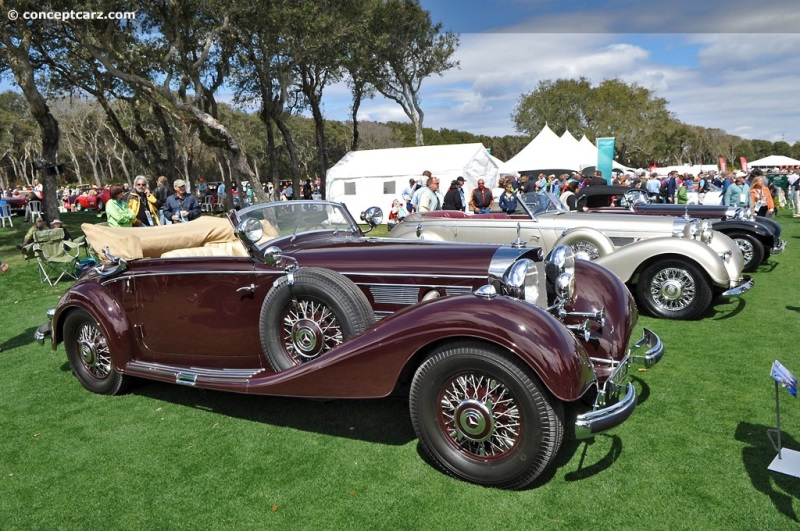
(738, 193)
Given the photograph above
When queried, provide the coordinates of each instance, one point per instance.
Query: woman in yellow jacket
(143, 203)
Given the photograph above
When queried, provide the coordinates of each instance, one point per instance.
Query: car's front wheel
(483, 417)
(303, 320)
(89, 355)
(78, 206)
(674, 289)
(752, 250)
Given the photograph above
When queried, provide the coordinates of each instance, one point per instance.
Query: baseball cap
(741, 174)
(460, 179)
(179, 183)
(56, 221)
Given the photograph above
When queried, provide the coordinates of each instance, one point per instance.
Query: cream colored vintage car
(674, 267)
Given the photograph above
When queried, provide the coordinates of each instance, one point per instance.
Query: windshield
(290, 218)
(539, 203)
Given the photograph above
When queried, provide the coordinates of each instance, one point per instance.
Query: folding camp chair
(55, 256)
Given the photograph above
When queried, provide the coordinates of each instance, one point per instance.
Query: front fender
(105, 309)
(761, 231)
(399, 343)
(628, 260)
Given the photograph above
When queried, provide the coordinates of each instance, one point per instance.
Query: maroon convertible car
(292, 299)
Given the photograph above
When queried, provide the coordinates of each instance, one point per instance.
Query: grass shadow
(22, 339)
(384, 420)
(722, 314)
(758, 453)
(767, 266)
(793, 308)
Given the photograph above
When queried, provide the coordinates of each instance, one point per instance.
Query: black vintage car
(758, 237)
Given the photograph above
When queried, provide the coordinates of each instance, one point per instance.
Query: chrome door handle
(247, 289)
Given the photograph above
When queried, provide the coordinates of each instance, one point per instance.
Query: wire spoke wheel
(673, 289)
(94, 352)
(480, 416)
(586, 248)
(310, 328)
(90, 356)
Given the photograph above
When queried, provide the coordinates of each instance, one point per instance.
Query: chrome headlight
(563, 258)
(706, 231)
(565, 286)
(521, 281)
(560, 267)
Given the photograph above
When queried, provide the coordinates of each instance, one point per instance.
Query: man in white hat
(738, 193)
(56, 224)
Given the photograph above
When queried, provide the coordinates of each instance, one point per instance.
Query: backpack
(705, 187)
(663, 191)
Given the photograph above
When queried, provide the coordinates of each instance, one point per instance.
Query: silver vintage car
(674, 267)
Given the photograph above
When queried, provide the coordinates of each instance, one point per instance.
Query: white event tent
(774, 161)
(375, 177)
(548, 151)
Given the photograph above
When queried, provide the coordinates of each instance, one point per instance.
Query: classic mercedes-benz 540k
(488, 342)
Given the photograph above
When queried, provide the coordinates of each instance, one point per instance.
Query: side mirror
(373, 216)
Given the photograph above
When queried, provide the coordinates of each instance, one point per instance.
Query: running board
(190, 375)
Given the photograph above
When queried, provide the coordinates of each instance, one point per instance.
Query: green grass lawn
(693, 456)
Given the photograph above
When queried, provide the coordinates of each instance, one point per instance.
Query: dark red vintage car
(91, 199)
(488, 342)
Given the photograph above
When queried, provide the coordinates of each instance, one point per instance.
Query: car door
(200, 311)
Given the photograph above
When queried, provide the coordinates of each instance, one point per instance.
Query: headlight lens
(563, 258)
(565, 286)
(521, 281)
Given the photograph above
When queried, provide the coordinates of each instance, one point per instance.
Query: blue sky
(732, 65)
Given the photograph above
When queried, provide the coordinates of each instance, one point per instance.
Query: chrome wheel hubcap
(94, 351)
(673, 289)
(480, 416)
(310, 329)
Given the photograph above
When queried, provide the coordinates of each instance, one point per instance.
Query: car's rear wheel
(483, 417)
(674, 289)
(89, 355)
(752, 250)
(302, 321)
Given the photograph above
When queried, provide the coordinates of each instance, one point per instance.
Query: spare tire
(302, 321)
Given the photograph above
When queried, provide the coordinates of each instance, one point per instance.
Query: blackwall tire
(482, 416)
(89, 355)
(302, 321)
(674, 289)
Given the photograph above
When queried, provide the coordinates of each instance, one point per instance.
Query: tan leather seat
(234, 248)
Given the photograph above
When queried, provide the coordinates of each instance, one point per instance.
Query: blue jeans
(483, 210)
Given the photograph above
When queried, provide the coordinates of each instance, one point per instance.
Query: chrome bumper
(604, 417)
(779, 247)
(746, 284)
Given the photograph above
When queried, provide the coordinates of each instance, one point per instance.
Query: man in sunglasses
(143, 203)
